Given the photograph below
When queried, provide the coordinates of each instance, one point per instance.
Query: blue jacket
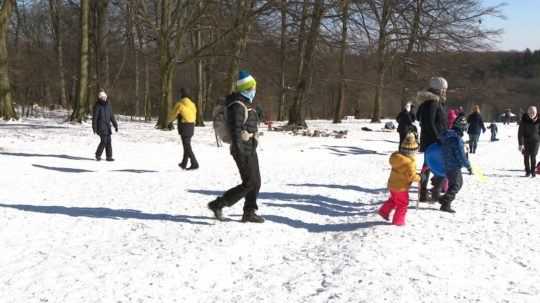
(453, 151)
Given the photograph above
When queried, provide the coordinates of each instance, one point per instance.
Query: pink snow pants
(399, 200)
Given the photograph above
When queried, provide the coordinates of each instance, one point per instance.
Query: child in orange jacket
(403, 173)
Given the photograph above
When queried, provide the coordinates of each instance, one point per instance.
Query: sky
(521, 27)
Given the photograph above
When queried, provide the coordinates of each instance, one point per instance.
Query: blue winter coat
(453, 150)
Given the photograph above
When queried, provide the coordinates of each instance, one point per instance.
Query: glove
(470, 170)
(521, 148)
(170, 126)
(116, 129)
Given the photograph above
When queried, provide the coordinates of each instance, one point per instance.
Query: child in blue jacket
(453, 150)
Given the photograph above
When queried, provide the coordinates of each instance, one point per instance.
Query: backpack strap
(246, 110)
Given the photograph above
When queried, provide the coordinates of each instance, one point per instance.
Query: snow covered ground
(138, 230)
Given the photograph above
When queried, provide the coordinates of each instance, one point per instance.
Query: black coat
(103, 117)
(235, 119)
(529, 131)
(405, 121)
(476, 124)
(433, 119)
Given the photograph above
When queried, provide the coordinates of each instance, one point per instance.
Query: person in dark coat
(243, 150)
(405, 120)
(476, 127)
(529, 139)
(101, 124)
(185, 112)
(433, 120)
(494, 130)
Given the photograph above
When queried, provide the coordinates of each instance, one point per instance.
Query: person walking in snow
(185, 112)
(476, 126)
(403, 174)
(242, 121)
(454, 158)
(433, 121)
(101, 125)
(493, 129)
(405, 120)
(529, 139)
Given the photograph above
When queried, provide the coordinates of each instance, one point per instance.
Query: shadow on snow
(345, 187)
(350, 150)
(46, 156)
(64, 169)
(105, 213)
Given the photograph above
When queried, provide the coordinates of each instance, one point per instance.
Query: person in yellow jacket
(185, 112)
(403, 174)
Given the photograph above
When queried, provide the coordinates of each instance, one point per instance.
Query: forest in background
(312, 59)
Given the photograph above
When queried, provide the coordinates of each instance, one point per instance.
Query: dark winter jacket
(103, 117)
(529, 130)
(405, 121)
(235, 119)
(476, 124)
(453, 151)
(493, 127)
(433, 119)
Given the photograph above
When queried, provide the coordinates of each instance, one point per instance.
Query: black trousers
(248, 166)
(455, 182)
(529, 157)
(106, 144)
(493, 136)
(188, 152)
(473, 142)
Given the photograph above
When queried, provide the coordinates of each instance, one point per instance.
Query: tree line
(311, 59)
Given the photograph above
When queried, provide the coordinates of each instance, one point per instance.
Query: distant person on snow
(493, 129)
(453, 152)
(529, 139)
(452, 116)
(476, 126)
(101, 124)
(433, 121)
(405, 120)
(185, 112)
(403, 173)
(242, 120)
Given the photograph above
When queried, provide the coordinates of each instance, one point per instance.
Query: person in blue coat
(476, 127)
(454, 158)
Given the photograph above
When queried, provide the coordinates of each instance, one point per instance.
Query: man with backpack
(239, 128)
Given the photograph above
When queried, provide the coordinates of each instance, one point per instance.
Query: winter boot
(182, 165)
(445, 206)
(251, 216)
(110, 159)
(422, 195)
(193, 166)
(98, 158)
(216, 206)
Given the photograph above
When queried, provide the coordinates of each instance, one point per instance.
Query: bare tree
(340, 104)
(80, 108)
(7, 111)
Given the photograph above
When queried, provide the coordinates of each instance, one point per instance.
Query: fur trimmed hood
(425, 96)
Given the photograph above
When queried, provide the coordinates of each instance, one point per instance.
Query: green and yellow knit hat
(245, 82)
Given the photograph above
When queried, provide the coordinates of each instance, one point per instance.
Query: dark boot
(435, 194)
(182, 165)
(216, 207)
(445, 206)
(110, 159)
(251, 216)
(193, 166)
(422, 196)
(98, 158)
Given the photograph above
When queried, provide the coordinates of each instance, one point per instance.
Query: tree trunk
(381, 60)
(147, 104)
(283, 83)
(296, 116)
(55, 12)
(199, 76)
(80, 108)
(412, 40)
(240, 42)
(166, 65)
(7, 110)
(340, 104)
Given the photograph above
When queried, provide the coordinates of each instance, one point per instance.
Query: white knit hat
(102, 96)
(438, 83)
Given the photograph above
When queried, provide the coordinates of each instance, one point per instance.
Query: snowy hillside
(138, 230)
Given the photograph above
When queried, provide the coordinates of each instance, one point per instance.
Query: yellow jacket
(403, 172)
(185, 110)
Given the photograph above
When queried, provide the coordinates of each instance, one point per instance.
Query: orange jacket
(403, 172)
